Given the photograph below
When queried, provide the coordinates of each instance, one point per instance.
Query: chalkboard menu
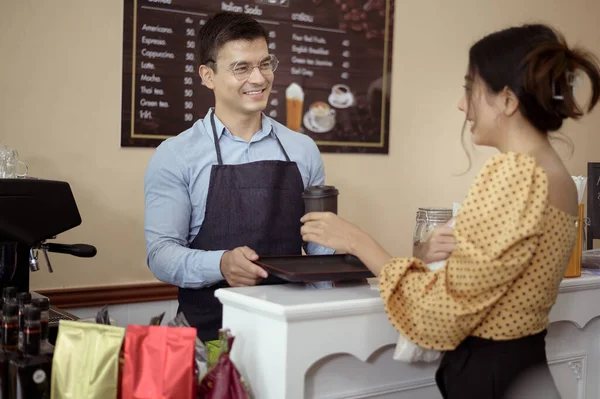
(593, 203)
(333, 80)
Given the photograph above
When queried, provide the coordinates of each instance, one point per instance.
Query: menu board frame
(131, 138)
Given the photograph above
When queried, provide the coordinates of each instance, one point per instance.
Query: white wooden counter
(294, 342)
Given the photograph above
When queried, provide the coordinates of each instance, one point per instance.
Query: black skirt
(485, 369)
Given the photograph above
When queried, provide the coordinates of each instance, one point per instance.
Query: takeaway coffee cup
(320, 199)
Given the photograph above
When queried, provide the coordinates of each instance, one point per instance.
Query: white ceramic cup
(321, 113)
(341, 94)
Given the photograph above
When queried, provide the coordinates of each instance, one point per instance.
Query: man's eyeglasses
(242, 70)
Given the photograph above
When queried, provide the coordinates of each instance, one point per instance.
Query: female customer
(488, 306)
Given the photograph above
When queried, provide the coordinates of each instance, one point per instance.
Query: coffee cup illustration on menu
(294, 96)
(320, 117)
(341, 96)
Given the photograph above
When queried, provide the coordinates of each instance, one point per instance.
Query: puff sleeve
(497, 231)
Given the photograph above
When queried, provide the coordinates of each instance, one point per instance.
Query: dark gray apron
(258, 205)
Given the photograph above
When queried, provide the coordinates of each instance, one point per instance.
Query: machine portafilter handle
(80, 250)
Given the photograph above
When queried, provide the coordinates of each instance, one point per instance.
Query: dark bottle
(1, 329)
(8, 349)
(24, 301)
(30, 373)
(10, 326)
(9, 294)
(46, 348)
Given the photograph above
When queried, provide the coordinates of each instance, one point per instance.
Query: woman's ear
(511, 102)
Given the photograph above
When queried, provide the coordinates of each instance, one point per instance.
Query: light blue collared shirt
(176, 188)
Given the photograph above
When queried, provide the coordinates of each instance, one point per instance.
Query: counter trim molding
(109, 295)
(383, 390)
(158, 291)
(585, 282)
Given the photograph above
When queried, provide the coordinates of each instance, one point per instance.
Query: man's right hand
(438, 247)
(238, 269)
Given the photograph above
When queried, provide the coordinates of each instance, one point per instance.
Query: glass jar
(9, 163)
(428, 219)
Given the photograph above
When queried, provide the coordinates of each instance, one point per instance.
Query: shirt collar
(267, 127)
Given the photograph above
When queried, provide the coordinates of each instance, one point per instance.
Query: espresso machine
(32, 212)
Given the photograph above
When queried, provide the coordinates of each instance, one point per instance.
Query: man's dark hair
(224, 27)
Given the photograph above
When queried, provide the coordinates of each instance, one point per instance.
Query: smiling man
(229, 189)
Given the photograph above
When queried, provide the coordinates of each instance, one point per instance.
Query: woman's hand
(438, 247)
(331, 231)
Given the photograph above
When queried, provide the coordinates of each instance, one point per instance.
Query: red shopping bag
(224, 381)
(159, 363)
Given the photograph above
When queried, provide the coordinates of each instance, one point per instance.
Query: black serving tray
(313, 268)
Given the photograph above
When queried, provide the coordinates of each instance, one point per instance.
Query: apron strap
(218, 148)
(214, 129)
(287, 158)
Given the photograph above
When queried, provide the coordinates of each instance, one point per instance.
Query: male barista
(228, 189)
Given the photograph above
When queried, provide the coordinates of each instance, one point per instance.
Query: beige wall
(60, 91)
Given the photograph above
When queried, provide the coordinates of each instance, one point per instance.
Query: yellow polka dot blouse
(503, 278)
